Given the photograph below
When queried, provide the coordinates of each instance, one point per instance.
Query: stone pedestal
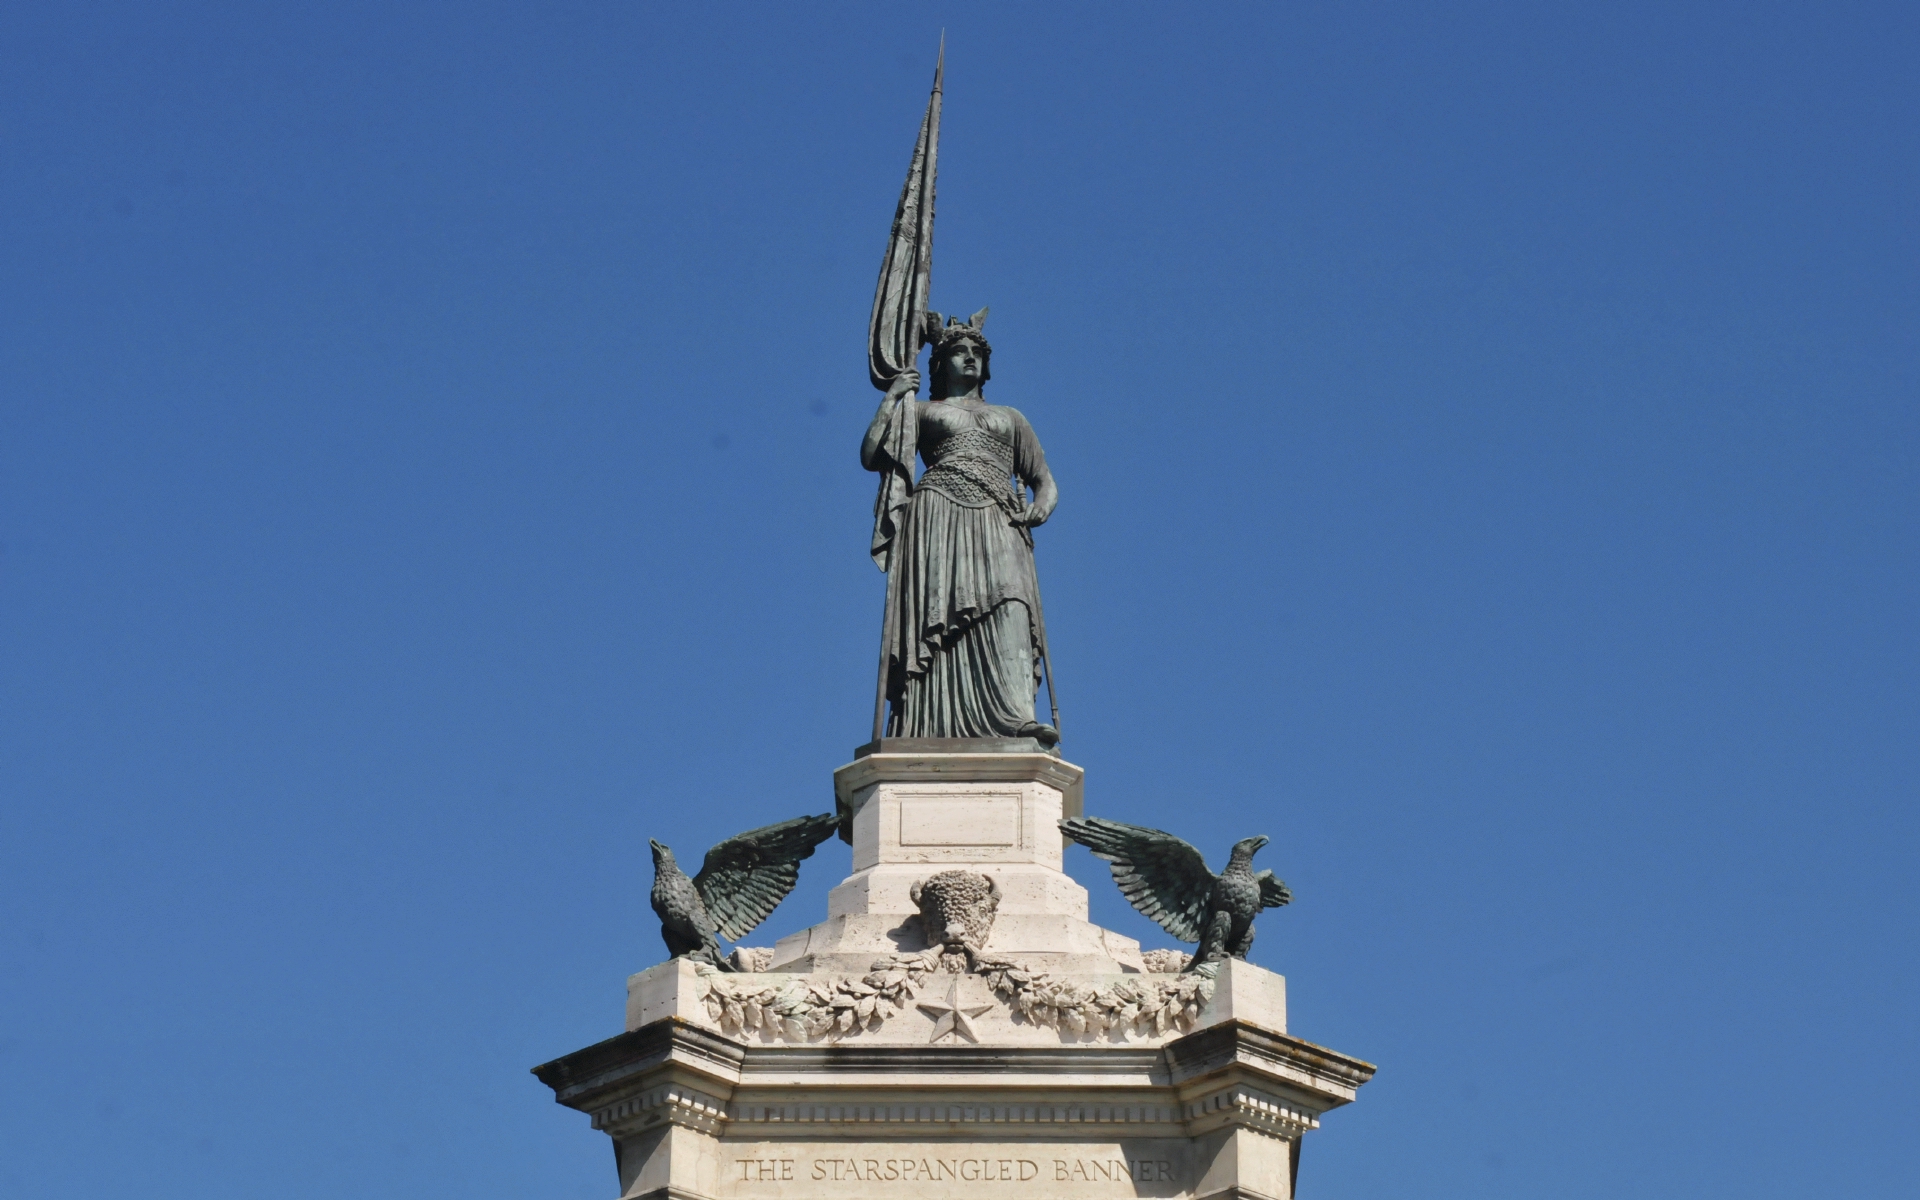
(861, 1065)
(909, 815)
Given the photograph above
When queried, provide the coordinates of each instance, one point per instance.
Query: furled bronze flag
(898, 328)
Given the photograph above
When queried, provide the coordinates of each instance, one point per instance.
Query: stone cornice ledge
(605, 1072)
(972, 1116)
(668, 1104)
(672, 1072)
(956, 768)
(1250, 1109)
(1324, 1078)
(831, 1063)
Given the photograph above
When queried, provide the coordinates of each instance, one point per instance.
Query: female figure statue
(964, 640)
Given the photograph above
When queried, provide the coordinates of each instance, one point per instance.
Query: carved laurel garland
(1144, 1005)
(808, 1008)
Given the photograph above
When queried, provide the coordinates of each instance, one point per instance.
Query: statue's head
(660, 854)
(961, 355)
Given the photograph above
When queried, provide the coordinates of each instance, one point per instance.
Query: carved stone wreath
(1142, 1005)
(807, 1008)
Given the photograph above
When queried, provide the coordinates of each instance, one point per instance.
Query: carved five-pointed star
(951, 1017)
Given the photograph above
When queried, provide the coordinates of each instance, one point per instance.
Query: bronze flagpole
(894, 337)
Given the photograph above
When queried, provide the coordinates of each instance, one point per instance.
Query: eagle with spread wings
(741, 881)
(1167, 880)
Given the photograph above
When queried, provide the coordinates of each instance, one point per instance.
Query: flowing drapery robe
(964, 659)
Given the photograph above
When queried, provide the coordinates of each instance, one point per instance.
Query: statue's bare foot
(1046, 735)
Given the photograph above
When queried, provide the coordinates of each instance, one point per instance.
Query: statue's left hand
(1034, 516)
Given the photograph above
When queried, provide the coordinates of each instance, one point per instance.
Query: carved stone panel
(956, 808)
(958, 1170)
(953, 823)
(938, 826)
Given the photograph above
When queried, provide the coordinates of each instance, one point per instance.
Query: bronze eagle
(1167, 880)
(741, 881)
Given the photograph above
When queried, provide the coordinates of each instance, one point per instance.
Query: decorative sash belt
(975, 469)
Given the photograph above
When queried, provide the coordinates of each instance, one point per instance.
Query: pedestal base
(862, 1065)
(1215, 1113)
(997, 812)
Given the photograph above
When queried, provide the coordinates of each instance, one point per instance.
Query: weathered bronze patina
(963, 647)
(742, 880)
(1167, 879)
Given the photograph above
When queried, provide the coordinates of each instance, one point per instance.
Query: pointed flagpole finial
(898, 327)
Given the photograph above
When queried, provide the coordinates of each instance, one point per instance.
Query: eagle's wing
(1162, 876)
(1273, 892)
(745, 876)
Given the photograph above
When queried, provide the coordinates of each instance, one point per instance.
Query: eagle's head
(1245, 847)
(662, 857)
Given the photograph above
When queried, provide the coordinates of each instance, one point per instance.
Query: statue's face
(965, 363)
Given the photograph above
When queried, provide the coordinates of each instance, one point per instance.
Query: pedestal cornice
(1229, 1075)
(1236, 1048)
(645, 1059)
(977, 766)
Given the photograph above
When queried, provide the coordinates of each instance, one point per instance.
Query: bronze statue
(1167, 880)
(964, 646)
(964, 641)
(742, 880)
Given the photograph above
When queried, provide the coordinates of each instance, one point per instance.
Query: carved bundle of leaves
(1146, 1006)
(751, 959)
(1166, 962)
(807, 1008)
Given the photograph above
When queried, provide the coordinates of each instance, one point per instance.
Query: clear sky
(1487, 445)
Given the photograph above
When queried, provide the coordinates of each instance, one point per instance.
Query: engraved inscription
(926, 1170)
(765, 1170)
(959, 1168)
(1090, 1170)
(960, 820)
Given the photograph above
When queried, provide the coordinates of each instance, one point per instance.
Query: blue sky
(1487, 445)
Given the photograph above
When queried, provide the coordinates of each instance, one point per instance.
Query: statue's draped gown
(964, 659)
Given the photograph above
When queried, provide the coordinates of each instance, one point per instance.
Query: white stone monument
(956, 1027)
